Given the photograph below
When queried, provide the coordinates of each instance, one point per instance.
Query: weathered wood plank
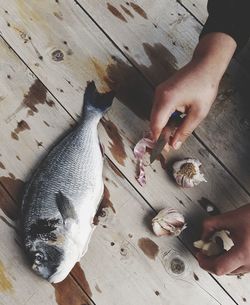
(197, 7)
(138, 277)
(227, 111)
(124, 249)
(57, 74)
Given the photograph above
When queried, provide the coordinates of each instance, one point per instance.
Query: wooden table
(49, 50)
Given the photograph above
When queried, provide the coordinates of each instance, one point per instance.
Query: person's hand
(193, 88)
(237, 259)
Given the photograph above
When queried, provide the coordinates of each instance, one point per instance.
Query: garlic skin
(187, 173)
(168, 222)
(218, 244)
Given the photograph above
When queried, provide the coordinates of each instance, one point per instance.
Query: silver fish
(64, 193)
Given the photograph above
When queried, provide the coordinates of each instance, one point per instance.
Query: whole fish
(64, 193)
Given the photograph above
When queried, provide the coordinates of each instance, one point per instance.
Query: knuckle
(163, 92)
(201, 113)
(218, 270)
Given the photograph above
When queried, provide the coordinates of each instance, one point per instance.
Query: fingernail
(177, 145)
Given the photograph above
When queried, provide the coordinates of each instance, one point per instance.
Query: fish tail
(93, 100)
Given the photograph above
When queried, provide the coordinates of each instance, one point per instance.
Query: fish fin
(65, 207)
(95, 100)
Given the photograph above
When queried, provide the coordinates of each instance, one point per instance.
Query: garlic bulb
(187, 173)
(218, 244)
(168, 222)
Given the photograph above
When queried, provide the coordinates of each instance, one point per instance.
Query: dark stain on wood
(130, 86)
(5, 283)
(21, 126)
(50, 103)
(47, 124)
(8, 76)
(180, 201)
(164, 63)
(2, 165)
(8, 24)
(7, 204)
(58, 15)
(40, 57)
(12, 176)
(15, 187)
(148, 247)
(127, 11)
(244, 299)
(126, 48)
(116, 146)
(208, 206)
(39, 143)
(18, 158)
(79, 275)
(36, 95)
(68, 292)
(14, 135)
(57, 55)
(116, 12)
(196, 277)
(139, 10)
(157, 293)
(105, 203)
(30, 112)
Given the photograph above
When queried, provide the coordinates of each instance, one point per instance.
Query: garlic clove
(199, 244)
(218, 244)
(168, 222)
(187, 173)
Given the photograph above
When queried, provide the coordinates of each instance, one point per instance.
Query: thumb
(222, 264)
(190, 122)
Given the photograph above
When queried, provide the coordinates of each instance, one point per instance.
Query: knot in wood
(57, 55)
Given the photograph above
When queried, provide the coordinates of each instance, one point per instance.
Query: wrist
(213, 54)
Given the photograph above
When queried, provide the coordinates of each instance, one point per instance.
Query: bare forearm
(214, 53)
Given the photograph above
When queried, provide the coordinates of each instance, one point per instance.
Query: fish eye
(38, 258)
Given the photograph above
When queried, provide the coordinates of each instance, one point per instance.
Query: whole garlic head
(168, 222)
(218, 244)
(187, 173)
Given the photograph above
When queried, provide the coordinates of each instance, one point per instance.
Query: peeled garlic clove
(168, 222)
(223, 238)
(199, 244)
(140, 150)
(218, 244)
(187, 173)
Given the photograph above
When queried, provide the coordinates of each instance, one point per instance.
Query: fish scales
(64, 193)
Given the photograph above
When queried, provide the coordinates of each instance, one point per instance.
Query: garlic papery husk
(218, 244)
(168, 222)
(187, 173)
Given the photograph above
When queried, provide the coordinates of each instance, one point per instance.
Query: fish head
(45, 258)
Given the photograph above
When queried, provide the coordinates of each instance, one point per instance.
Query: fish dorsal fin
(65, 207)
